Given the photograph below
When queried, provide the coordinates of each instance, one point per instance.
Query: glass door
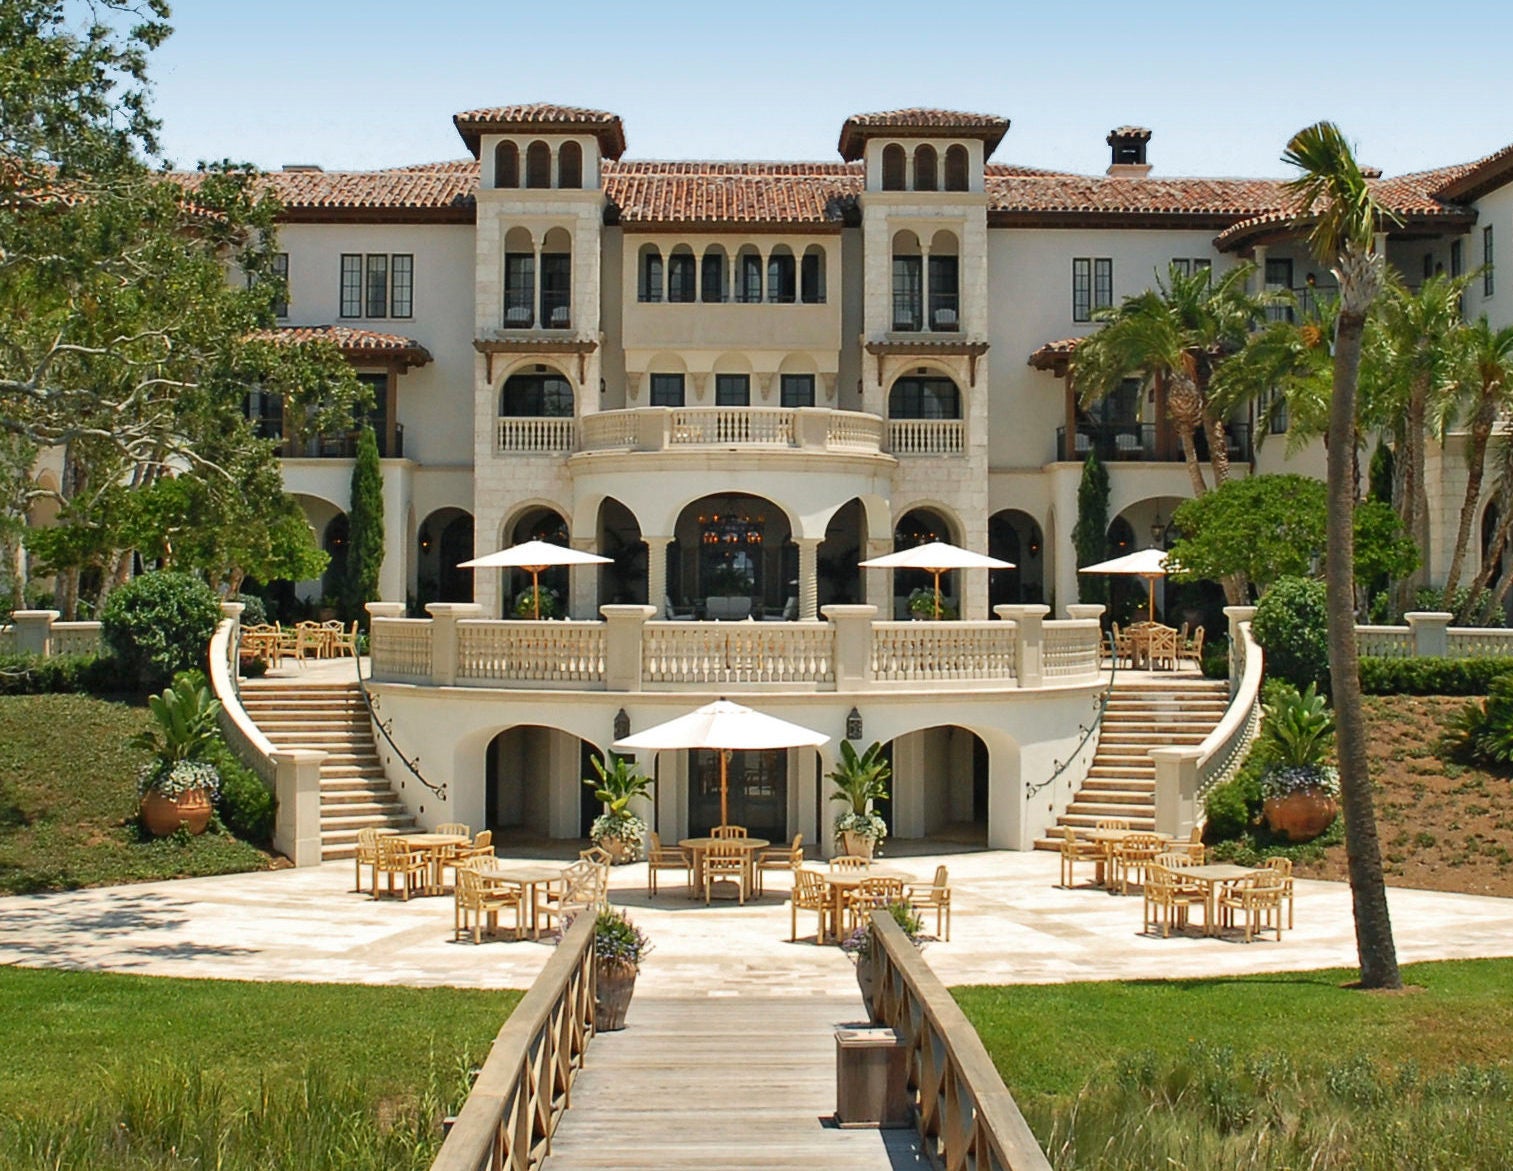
(758, 792)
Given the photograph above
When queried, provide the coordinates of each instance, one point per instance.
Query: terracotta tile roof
(423, 191)
(1052, 354)
(918, 120)
(354, 343)
(1473, 180)
(749, 194)
(1050, 193)
(602, 124)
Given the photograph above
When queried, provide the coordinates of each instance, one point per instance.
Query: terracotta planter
(619, 850)
(857, 845)
(163, 815)
(614, 985)
(1300, 816)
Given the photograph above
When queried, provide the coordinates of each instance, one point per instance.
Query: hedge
(70, 674)
(1431, 676)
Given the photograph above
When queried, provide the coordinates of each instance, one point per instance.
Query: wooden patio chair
(476, 900)
(366, 854)
(1074, 850)
(660, 857)
(397, 860)
(1111, 823)
(1134, 854)
(1194, 846)
(330, 632)
(870, 894)
(1258, 900)
(595, 854)
(1124, 646)
(1167, 898)
(344, 642)
(936, 895)
(728, 831)
(285, 641)
(1283, 866)
(576, 891)
(849, 862)
(723, 861)
(1164, 646)
(782, 858)
(481, 847)
(309, 641)
(1192, 648)
(809, 894)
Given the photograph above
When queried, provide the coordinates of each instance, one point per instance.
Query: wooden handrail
(965, 1114)
(526, 1083)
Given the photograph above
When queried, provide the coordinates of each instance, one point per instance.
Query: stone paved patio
(1012, 925)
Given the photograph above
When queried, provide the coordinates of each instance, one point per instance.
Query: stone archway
(1014, 535)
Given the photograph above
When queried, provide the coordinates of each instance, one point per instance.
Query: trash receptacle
(871, 1078)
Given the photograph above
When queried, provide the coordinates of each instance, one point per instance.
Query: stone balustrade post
(33, 632)
(1085, 610)
(444, 619)
(652, 427)
(853, 645)
(1431, 632)
(1029, 641)
(233, 610)
(296, 788)
(583, 582)
(1176, 789)
(623, 627)
(1236, 616)
(656, 571)
(811, 428)
(375, 632)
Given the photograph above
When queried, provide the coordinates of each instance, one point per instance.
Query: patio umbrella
(533, 557)
(936, 557)
(1147, 563)
(724, 726)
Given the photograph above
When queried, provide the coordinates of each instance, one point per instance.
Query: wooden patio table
(1108, 840)
(838, 882)
(527, 878)
(435, 848)
(1211, 877)
(698, 847)
(1144, 636)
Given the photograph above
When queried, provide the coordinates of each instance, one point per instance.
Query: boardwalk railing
(964, 1112)
(526, 1083)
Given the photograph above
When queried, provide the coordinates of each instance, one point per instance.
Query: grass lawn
(89, 1052)
(1133, 1074)
(68, 802)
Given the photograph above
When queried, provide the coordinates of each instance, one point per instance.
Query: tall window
(751, 278)
(908, 294)
(506, 165)
(812, 277)
(895, 163)
(780, 278)
(401, 284)
(538, 165)
(1486, 261)
(265, 409)
(667, 390)
(713, 262)
(1279, 279)
(924, 168)
(1103, 282)
(1092, 286)
(956, 168)
(924, 398)
(351, 284)
(651, 275)
(1457, 257)
(682, 274)
(519, 290)
(570, 165)
(943, 294)
(798, 390)
(376, 285)
(732, 390)
(1189, 266)
(556, 290)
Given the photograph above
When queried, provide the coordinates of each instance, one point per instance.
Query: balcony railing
(342, 446)
(909, 313)
(927, 436)
(782, 428)
(1126, 442)
(535, 435)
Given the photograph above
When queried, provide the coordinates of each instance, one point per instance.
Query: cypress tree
(1090, 534)
(365, 547)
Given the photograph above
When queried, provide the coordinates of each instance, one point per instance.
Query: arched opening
(506, 165)
(715, 265)
(924, 168)
(957, 178)
(623, 581)
(781, 281)
(840, 577)
(908, 284)
(748, 275)
(557, 280)
(895, 163)
(732, 557)
(538, 165)
(920, 526)
(533, 786)
(923, 396)
(1015, 536)
(1146, 524)
(334, 540)
(538, 524)
(444, 539)
(519, 279)
(682, 275)
(543, 394)
(939, 791)
(812, 276)
(649, 283)
(944, 283)
(570, 166)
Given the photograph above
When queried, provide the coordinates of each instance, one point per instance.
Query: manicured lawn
(68, 800)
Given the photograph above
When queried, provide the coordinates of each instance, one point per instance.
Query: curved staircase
(331, 717)
(1144, 712)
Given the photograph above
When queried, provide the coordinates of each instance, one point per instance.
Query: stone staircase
(331, 717)
(1144, 712)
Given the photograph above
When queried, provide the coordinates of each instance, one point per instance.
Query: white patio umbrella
(533, 557)
(1147, 563)
(724, 727)
(936, 557)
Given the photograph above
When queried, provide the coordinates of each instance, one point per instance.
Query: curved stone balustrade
(779, 428)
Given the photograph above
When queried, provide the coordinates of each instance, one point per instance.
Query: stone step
(1090, 821)
(1125, 770)
(1123, 784)
(356, 821)
(345, 811)
(1135, 808)
(1115, 797)
(1196, 736)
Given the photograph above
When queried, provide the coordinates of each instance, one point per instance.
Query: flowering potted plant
(860, 779)
(619, 948)
(922, 606)
(858, 945)
(1300, 793)
(617, 830)
(179, 786)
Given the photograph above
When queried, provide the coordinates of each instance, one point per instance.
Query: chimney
(302, 167)
(1128, 157)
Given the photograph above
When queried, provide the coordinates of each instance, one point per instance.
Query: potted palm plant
(860, 779)
(179, 785)
(617, 830)
(1300, 793)
(619, 948)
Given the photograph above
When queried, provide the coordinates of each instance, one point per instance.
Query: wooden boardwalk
(720, 1083)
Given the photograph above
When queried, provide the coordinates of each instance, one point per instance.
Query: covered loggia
(533, 785)
(939, 792)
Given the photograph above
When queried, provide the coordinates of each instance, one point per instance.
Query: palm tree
(1335, 202)
(1490, 356)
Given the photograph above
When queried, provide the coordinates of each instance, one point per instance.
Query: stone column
(809, 585)
(296, 786)
(1431, 632)
(877, 583)
(853, 645)
(1029, 642)
(1176, 789)
(583, 582)
(34, 631)
(622, 645)
(656, 570)
(444, 619)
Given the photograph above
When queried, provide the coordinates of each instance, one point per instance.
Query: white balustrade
(914, 652)
(854, 430)
(738, 652)
(7, 640)
(608, 430)
(731, 426)
(656, 428)
(1072, 648)
(927, 436)
(532, 434)
(1224, 748)
(400, 648)
(1384, 642)
(550, 653)
(76, 638)
(1480, 642)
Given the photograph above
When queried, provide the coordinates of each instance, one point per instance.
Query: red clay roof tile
(917, 120)
(356, 344)
(607, 127)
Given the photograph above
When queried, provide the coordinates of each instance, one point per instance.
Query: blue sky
(360, 85)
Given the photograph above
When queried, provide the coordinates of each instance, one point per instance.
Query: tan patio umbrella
(533, 557)
(936, 557)
(724, 727)
(1147, 563)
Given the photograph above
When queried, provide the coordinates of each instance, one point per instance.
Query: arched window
(649, 282)
(538, 165)
(519, 280)
(780, 276)
(944, 278)
(908, 284)
(924, 398)
(748, 275)
(536, 396)
(506, 165)
(895, 162)
(556, 280)
(714, 274)
(956, 169)
(682, 275)
(570, 165)
(812, 276)
(924, 168)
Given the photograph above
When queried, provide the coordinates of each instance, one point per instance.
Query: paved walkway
(1012, 925)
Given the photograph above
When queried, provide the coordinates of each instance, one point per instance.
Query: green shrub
(1216, 659)
(255, 610)
(159, 624)
(246, 805)
(1290, 625)
(1230, 808)
(62, 674)
(1299, 725)
(525, 604)
(1431, 676)
(1487, 612)
(1482, 733)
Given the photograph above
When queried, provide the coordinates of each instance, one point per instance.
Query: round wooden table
(838, 882)
(528, 878)
(698, 847)
(435, 847)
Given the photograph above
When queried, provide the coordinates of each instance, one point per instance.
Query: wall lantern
(425, 538)
(1158, 531)
(853, 725)
(622, 724)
